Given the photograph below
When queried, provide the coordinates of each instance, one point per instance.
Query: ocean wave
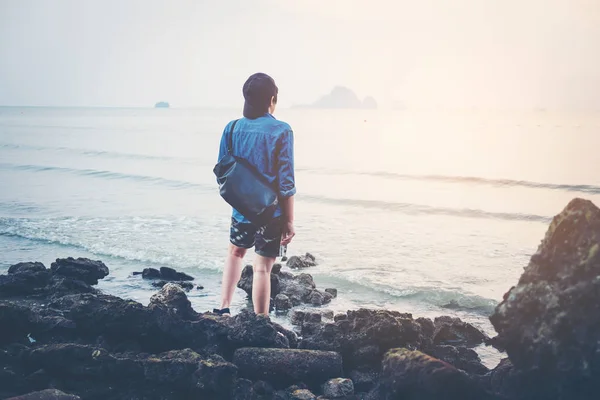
(126, 239)
(419, 209)
(98, 153)
(172, 183)
(407, 208)
(580, 188)
(445, 298)
(105, 237)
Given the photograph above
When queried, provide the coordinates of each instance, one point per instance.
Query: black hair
(258, 91)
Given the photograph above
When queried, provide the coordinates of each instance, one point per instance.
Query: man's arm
(288, 232)
(287, 185)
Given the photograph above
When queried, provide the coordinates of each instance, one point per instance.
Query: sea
(432, 212)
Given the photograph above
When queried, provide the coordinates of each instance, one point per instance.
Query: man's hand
(288, 233)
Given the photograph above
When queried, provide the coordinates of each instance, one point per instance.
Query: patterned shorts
(266, 240)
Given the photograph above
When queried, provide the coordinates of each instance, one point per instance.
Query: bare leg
(231, 274)
(261, 284)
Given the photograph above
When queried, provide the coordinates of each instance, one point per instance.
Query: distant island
(342, 97)
(161, 104)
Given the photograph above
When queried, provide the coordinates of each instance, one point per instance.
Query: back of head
(258, 91)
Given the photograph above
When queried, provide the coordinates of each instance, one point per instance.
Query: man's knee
(261, 269)
(237, 251)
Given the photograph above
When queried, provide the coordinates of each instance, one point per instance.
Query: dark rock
(126, 325)
(364, 380)
(59, 286)
(276, 269)
(23, 282)
(169, 274)
(412, 375)
(16, 322)
(11, 383)
(549, 322)
(182, 371)
(32, 322)
(313, 317)
(243, 390)
(165, 274)
(284, 367)
(216, 377)
(282, 302)
(174, 368)
(453, 331)
(151, 273)
(38, 380)
(311, 328)
(300, 289)
(245, 282)
(187, 286)
(460, 357)
(332, 292)
(368, 355)
(339, 317)
(251, 330)
(505, 381)
(305, 261)
(290, 335)
(427, 331)
(363, 328)
(172, 298)
(26, 267)
(48, 394)
(263, 390)
(82, 269)
(297, 317)
(338, 387)
(318, 298)
(296, 394)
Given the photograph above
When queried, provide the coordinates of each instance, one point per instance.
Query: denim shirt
(268, 145)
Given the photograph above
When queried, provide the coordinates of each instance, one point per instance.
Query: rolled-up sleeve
(287, 183)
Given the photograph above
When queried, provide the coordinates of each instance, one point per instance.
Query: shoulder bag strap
(230, 138)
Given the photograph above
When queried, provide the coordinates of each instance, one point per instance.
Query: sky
(197, 53)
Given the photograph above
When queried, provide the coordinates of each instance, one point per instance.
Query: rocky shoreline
(61, 338)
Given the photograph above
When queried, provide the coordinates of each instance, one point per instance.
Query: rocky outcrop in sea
(289, 290)
(61, 338)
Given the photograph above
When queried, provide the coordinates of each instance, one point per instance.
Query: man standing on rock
(268, 145)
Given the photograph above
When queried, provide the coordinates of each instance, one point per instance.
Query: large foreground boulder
(94, 373)
(549, 323)
(285, 367)
(365, 335)
(412, 375)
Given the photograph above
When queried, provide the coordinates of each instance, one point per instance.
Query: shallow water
(411, 211)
